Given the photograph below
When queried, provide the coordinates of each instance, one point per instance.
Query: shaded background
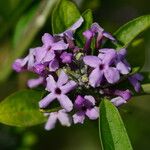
(18, 33)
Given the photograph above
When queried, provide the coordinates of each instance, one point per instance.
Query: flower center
(101, 66)
(57, 91)
(84, 108)
(49, 48)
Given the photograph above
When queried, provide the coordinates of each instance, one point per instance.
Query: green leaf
(131, 30)
(135, 48)
(111, 128)
(21, 109)
(88, 20)
(64, 15)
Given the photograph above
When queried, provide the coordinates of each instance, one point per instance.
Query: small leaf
(131, 30)
(64, 15)
(111, 127)
(88, 20)
(21, 109)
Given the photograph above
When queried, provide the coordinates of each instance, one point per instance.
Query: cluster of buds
(78, 77)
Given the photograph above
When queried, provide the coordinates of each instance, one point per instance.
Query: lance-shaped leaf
(131, 30)
(64, 15)
(112, 131)
(127, 33)
(21, 109)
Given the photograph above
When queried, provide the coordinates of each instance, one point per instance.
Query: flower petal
(77, 24)
(112, 75)
(93, 113)
(51, 84)
(92, 61)
(79, 102)
(53, 65)
(40, 53)
(49, 56)
(118, 101)
(50, 124)
(63, 78)
(68, 87)
(61, 45)
(35, 82)
(64, 118)
(95, 77)
(109, 36)
(65, 102)
(90, 98)
(47, 39)
(46, 100)
(123, 68)
(78, 118)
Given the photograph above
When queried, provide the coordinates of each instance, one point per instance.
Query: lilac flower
(58, 91)
(98, 32)
(123, 97)
(66, 57)
(85, 107)
(68, 34)
(61, 115)
(102, 68)
(46, 53)
(25, 64)
(121, 63)
(134, 80)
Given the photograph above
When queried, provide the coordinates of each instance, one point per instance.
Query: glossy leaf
(111, 128)
(88, 20)
(64, 15)
(131, 30)
(21, 109)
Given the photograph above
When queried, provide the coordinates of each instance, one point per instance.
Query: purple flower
(121, 63)
(123, 97)
(66, 57)
(61, 115)
(134, 80)
(85, 107)
(58, 91)
(46, 53)
(25, 64)
(68, 34)
(102, 68)
(98, 32)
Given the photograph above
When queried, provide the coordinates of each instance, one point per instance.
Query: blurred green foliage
(111, 15)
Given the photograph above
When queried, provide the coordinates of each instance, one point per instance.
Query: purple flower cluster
(78, 77)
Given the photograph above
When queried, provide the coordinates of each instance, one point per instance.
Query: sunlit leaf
(64, 15)
(21, 109)
(131, 30)
(111, 128)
